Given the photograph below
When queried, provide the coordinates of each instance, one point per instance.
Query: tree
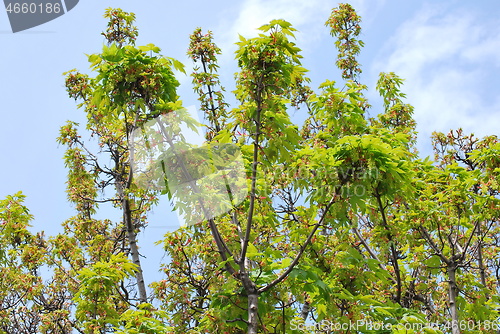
(354, 186)
(334, 225)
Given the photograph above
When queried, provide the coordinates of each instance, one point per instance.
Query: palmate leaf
(177, 65)
(149, 47)
(112, 53)
(285, 27)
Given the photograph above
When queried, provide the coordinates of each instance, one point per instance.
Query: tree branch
(301, 251)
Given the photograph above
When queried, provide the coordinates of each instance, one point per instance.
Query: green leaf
(252, 250)
(178, 65)
(150, 47)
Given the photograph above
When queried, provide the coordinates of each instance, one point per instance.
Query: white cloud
(306, 16)
(448, 58)
(255, 13)
(487, 49)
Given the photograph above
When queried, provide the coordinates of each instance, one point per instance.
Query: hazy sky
(447, 51)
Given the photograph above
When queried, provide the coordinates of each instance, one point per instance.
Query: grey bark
(452, 298)
(132, 241)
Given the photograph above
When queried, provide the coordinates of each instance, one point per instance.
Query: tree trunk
(452, 296)
(480, 261)
(305, 311)
(253, 302)
(134, 251)
(132, 241)
(253, 312)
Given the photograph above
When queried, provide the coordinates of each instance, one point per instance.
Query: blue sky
(448, 52)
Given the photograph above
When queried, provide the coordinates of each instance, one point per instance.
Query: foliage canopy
(342, 223)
